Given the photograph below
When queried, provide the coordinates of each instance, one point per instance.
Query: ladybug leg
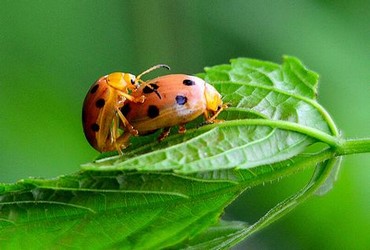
(122, 142)
(212, 119)
(208, 119)
(182, 129)
(139, 99)
(114, 135)
(126, 123)
(164, 134)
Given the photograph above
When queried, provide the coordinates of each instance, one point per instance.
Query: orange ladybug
(172, 100)
(101, 114)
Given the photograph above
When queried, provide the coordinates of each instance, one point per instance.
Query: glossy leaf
(254, 89)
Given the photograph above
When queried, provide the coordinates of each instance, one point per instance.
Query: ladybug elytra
(172, 100)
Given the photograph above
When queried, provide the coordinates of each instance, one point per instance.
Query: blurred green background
(52, 51)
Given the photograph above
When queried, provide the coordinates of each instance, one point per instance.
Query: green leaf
(172, 194)
(282, 97)
(127, 209)
(122, 208)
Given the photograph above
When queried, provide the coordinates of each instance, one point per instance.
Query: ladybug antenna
(151, 69)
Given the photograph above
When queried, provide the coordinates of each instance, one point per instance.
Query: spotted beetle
(101, 114)
(172, 100)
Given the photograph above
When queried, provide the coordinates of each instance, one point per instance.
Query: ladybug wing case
(97, 114)
(171, 100)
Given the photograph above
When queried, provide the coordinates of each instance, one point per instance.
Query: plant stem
(354, 146)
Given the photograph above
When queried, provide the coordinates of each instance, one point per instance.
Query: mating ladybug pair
(123, 101)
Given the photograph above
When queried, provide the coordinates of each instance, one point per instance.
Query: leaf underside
(172, 194)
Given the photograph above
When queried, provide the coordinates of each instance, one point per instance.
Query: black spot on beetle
(147, 90)
(181, 100)
(126, 109)
(188, 82)
(100, 103)
(153, 111)
(95, 127)
(152, 88)
(94, 89)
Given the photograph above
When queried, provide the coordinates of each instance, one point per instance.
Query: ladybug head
(213, 98)
(122, 81)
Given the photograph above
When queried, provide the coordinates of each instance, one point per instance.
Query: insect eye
(132, 81)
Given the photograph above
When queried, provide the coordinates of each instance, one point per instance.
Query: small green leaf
(254, 89)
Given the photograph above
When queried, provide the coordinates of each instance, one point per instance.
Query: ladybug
(101, 114)
(172, 100)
